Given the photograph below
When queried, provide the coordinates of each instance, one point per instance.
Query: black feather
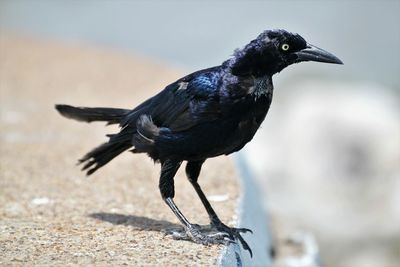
(110, 115)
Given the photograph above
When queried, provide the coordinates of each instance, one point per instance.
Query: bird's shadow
(138, 222)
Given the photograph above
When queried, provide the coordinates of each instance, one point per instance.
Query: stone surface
(50, 213)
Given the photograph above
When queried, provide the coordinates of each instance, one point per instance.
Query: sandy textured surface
(50, 213)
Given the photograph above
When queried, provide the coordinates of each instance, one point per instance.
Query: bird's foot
(205, 235)
(216, 233)
(234, 233)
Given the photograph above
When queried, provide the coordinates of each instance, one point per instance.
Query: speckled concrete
(50, 213)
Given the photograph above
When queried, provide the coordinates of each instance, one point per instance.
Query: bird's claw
(243, 230)
(216, 233)
(202, 235)
(234, 233)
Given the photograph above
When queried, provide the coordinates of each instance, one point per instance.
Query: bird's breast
(248, 122)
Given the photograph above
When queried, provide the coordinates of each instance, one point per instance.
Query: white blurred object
(328, 157)
(39, 201)
(310, 253)
(218, 198)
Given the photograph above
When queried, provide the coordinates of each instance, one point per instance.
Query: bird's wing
(191, 100)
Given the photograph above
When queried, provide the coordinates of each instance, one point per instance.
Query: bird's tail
(104, 153)
(110, 115)
(101, 155)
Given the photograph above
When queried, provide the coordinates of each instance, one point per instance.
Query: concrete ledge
(251, 215)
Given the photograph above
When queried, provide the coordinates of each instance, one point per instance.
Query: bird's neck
(250, 61)
(248, 85)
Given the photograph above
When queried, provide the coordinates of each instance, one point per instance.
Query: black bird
(208, 113)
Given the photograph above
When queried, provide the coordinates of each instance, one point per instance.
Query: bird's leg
(192, 231)
(193, 171)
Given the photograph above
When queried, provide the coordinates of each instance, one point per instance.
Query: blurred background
(328, 155)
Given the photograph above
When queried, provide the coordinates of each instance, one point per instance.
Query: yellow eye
(285, 47)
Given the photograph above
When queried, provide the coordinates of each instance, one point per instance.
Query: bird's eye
(285, 47)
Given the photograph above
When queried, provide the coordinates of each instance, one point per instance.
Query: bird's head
(274, 50)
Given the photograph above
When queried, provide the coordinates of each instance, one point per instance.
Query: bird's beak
(313, 53)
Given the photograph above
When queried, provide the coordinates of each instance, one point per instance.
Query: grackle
(208, 113)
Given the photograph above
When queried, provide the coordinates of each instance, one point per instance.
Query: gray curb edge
(251, 214)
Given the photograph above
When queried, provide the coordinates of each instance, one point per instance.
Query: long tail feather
(110, 115)
(101, 155)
